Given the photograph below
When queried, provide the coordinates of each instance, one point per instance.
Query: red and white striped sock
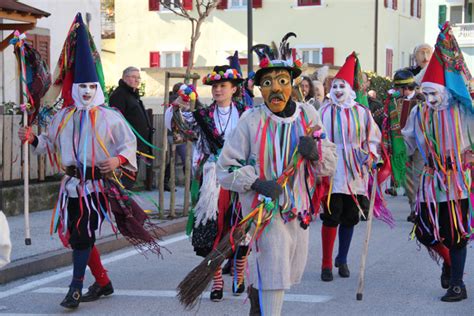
(218, 283)
(241, 269)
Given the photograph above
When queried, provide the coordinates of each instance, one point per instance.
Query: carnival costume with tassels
(79, 138)
(274, 160)
(263, 146)
(441, 129)
(352, 128)
(214, 209)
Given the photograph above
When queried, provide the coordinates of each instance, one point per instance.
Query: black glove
(268, 188)
(308, 149)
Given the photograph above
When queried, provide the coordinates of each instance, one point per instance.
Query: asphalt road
(401, 279)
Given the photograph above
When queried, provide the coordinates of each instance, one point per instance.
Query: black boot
(411, 217)
(326, 275)
(445, 276)
(217, 295)
(254, 302)
(343, 269)
(240, 289)
(96, 291)
(455, 293)
(72, 299)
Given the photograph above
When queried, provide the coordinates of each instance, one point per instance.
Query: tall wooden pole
(164, 146)
(360, 288)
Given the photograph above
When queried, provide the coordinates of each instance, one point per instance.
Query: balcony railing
(464, 34)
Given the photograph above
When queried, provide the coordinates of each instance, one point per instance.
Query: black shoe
(216, 295)
(227, 267)
(240, 289)
(96, 291)
(343, 270)
(445, 276)
(455, 293)
(391, 191)
(411, 217)
(72, 299)
(326, 275)
(254, 302)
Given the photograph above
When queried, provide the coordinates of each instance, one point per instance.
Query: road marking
(299, 298)
(68, 273)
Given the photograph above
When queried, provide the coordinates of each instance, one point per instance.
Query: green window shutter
(442, 14)
(469, 13)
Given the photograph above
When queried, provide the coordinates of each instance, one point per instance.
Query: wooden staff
(360, 288)
(24, 98)
(26, 180)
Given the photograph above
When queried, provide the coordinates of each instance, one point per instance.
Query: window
(238, 3)
(172, 4)
(302, 3)
(311, 56)
(170, 59)
(455, 15)
(415, 8)
(392, 4)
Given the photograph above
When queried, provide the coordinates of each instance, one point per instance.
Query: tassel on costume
(132, 222)
(206, 207)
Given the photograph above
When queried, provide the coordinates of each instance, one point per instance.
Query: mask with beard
(275, 87)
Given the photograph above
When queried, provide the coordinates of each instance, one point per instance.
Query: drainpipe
(249, 36)
(376, 31)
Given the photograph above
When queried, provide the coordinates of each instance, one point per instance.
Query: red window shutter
(222, 5)
(418, 12)
(188, 4)
(43, 47)
(154, 5)
(388, 62)
(328, 55)
(308, 2)
(293, 53)
(395, 4)
(256, 3)
(186, 58)
(385, 3)
(412, 7)
(154, 59)
(243, 61)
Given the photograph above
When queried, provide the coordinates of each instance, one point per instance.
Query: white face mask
(433, 97)
(339, 90)
(87, 92)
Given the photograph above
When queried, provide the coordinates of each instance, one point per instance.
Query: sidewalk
(46, 251)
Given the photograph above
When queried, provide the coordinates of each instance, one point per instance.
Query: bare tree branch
(170, 6)
(203, 10)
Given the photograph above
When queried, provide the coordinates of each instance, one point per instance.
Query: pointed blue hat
(84, 68)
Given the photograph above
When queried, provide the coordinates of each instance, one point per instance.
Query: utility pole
(376, 31)
(249, 36)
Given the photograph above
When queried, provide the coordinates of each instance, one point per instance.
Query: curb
(59, 258)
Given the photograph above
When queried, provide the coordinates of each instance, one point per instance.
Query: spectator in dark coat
(126, 98)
